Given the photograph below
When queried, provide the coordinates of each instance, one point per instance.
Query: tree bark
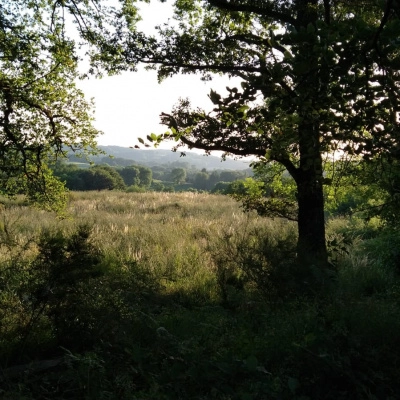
(311, 248)
(311, 222)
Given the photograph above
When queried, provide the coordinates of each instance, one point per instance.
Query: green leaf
(215, 97)
(288, 54)
(243, 108)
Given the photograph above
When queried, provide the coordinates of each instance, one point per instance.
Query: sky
(128, 106)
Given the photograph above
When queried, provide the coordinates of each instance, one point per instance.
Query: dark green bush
(263, 259)
(385, 248)
(70, 294)
(269, 260)
(62, 281)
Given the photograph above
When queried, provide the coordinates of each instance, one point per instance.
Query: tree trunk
(311, 248)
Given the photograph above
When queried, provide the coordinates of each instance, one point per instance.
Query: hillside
(154, 157)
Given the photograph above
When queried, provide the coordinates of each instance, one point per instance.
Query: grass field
(183, 296)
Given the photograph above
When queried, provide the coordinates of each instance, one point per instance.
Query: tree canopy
(319, 77)
(42, 113)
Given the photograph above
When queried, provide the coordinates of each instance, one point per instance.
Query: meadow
(183, 296)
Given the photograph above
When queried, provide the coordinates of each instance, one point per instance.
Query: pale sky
(128, 105)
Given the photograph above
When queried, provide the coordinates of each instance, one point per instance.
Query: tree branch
(204, 67)
(285, 161)
(254, 6)
(327, 8)
(222, 147)
(385, 19)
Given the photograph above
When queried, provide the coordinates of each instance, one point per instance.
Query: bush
(135, 189)
(265, 259)
(59, 283)
(269, 260)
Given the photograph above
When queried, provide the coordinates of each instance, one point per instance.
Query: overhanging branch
(258, 152)
(259, 7)
(222, 147)
(204, 67)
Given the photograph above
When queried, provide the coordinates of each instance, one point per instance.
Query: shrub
(262, 258)
(135, 189)
(59, 282)
(269, 260)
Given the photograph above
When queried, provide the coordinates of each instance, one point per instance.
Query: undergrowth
(182, 296)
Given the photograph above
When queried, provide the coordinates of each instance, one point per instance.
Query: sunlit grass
(167, 233)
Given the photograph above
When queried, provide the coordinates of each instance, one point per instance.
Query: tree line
(140, 178)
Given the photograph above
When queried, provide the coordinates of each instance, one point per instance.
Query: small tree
(145, 176)
(130, 175)
(178, 175)
(201, 181)
(105, 177)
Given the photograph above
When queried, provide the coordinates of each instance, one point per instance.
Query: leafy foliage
(42, 111)
(98, 177)
(318, 77)
(178, 175)
(65, 265)
(271, 193)
(130, 175)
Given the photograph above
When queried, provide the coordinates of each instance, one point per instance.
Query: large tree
(42, 113)
(318, 76)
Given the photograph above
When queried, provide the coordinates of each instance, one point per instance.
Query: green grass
(182, 296)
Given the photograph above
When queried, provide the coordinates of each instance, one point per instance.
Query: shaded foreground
(182, 296)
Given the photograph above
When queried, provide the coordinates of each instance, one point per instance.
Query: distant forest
(121, 168)
(123, 156)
